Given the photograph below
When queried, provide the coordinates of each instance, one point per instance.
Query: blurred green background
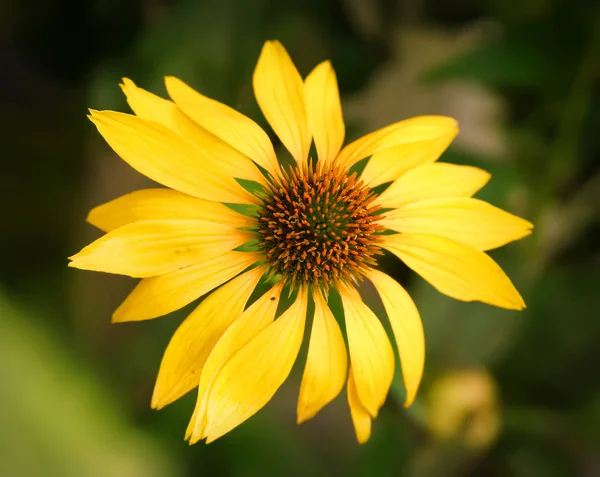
(504, 393)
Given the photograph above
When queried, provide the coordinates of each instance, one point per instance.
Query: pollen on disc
(317, 226)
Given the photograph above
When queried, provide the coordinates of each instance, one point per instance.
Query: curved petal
(371, 353)
(161, 295)
(390, 164)
(432, 181)
(407, 328)
(470, 221)
(324, 112)
(153, 247)
(154, 108)
(166, 157)
(420, 128)
(360, 416)
(230, 125)
(455, 269)
(279, 92)
(162, 204)
(193, 341)
(252, 376)
(254, 320)
(326, 363)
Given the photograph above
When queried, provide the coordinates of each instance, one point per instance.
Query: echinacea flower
(233, 216)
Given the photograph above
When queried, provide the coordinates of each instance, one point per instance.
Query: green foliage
(60, 412)
(530, 55)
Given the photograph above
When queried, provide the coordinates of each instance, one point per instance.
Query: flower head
(318, 226)
(232, 216)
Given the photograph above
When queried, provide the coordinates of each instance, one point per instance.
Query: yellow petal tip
(303, 416)
(76, 261)
(96, 116)
(171, 79)
(125, 312)
(155, 403)
(118, 316)
(92, 218)
(409, 401)
(518, 305)
(211, 434)
(193, 438)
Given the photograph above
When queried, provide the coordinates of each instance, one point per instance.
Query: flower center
(317, 227)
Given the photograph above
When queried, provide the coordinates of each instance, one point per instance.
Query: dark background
(504, 393)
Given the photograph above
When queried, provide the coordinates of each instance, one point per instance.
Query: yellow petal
(407, 327)
(162, 204)
(158, 296)
(371, 354)
(360, 416)
(416, 129)
(324, 112)
(390, 164)
(252, 376)
(432, 181)
(279, 91)
(455, 269)
(255, 319)
(149, 106)
(326, 363)
(153, 247)
(231, 126)
(166, 157)
(196, 336)
(197, 425)
(470, 221)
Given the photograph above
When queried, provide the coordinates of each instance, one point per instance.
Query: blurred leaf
(535, 54)
(57, 420)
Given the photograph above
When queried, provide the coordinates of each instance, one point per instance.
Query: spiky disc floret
(317, 226)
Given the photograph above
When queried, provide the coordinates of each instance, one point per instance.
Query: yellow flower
(310, 228)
